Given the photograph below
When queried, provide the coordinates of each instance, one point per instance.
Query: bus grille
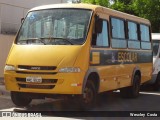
(25, 67)
(26, 72)
(36, 86)
(42, 70)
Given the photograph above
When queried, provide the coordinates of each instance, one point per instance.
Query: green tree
(124, 6)
(104, 3)
(120, 5)
(149, 9)
(123, 1)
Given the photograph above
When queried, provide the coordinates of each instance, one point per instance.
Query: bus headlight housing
(70, 70)
(9, 68)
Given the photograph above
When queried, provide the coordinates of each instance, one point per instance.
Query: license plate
(34, 79)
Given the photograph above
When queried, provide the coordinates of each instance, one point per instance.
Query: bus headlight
(70, 70)
(9, 68)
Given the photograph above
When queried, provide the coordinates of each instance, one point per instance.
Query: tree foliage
(124, 6)
(104, 3)
(149, 9)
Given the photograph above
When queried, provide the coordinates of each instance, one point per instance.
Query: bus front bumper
(61, 83)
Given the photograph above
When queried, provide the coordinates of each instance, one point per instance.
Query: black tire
(157, 83)
(89, 96)
(132, 91)
(19, 99)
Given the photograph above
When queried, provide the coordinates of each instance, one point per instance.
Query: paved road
(147, 101)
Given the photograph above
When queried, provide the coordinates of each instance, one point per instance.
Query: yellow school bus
(78, 50)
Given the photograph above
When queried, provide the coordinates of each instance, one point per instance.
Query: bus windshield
(55, 27)
(155, 47)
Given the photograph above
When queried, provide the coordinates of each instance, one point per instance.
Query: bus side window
(101, 39)
(145, 37)
(118, 33)
(133, 39)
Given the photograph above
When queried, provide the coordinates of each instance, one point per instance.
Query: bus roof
(155, 36)
(67, 5)
(96, 8)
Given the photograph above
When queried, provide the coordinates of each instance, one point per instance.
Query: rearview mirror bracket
(98, 24)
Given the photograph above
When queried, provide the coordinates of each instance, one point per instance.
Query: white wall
(11, 12)
(31, 3)
(5, 45)
(10, 18)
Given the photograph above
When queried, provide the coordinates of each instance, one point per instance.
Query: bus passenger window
(118, 33)
(133, 41)
(118, 30)
(144, 33)
(132, 31)
(102, 38)
(145, 37)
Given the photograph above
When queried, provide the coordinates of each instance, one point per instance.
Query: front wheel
(19, 99)
(89, 95)
(132, 91)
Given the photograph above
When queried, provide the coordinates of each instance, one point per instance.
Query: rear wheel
(19, 99)
(89, 95)
(132, 91)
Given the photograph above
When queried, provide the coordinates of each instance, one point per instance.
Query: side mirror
(98, 25)
(22, 20)
(94, 39)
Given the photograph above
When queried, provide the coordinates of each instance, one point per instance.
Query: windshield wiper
(33, 39)
(57, 38)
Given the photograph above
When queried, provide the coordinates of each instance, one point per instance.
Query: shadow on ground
(109, 102)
